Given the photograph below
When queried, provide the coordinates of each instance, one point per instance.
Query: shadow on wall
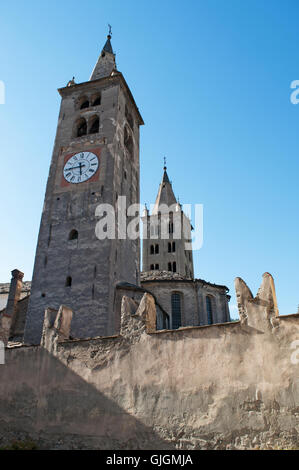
(46, 402)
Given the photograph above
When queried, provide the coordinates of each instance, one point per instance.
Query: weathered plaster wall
(229, 385)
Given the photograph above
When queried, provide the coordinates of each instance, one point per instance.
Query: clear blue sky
(212, 81)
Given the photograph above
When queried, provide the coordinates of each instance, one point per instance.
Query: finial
(145, 211)
(110, 31)
(71, 82)
(165, 167)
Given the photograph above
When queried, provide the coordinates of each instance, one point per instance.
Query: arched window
(152, 267)
(156, 267)
(68, 281)
(174, 267)
(176, 310)
(73, 235)
(209, 309)
(81, 127)
(85, 104)
(173, 247)
(95, 124)
(154, 230)
(96, 101)
(169, 267)
(152, 250)
(169, 247)
(157, 249)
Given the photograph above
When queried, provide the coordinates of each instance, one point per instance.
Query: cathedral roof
(162, 275)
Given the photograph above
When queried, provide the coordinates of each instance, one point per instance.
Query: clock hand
(75, 167)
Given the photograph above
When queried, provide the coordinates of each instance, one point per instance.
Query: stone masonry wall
(194, 293)
(224, 386)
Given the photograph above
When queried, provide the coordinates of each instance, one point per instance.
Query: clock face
(80, 167)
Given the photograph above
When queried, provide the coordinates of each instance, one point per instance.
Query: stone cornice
(115, 77)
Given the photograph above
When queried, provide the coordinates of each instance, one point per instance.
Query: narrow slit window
(176, 310)
(209, 310)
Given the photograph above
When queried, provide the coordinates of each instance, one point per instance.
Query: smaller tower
(167, 234)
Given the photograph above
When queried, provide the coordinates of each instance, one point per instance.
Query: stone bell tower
(167, 233)
(95, 160)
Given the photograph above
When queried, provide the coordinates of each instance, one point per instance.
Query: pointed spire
(106, 62)
(165, 175)
(165, 193)
(108, 46)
